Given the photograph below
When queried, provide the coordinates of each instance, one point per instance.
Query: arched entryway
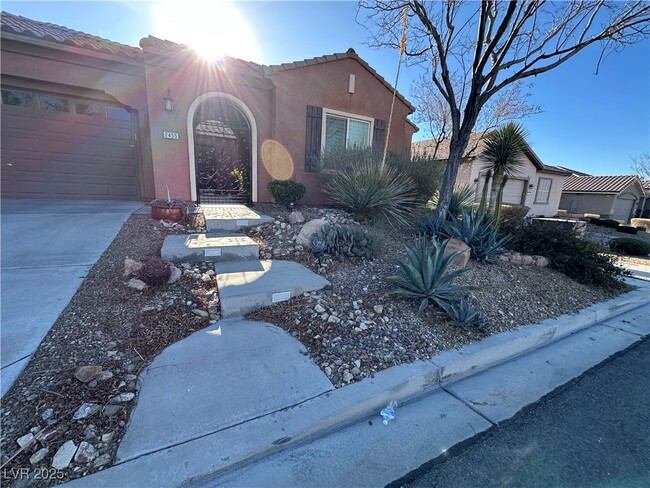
(223, 150)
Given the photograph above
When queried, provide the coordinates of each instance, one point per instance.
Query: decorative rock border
(523, 259)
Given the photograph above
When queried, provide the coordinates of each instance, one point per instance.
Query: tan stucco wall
(326, 85)
(470, 171)
(123, 81)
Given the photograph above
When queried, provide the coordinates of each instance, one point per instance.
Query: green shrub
(629, 246)
(597, 221)
(478, 232)
(425, 274)
(343, 241)
(286, 191)
(462, 314)
(365, 188)
(425, 172)
(643, 223)
(627, 229)
(612, 224)
(579, 259)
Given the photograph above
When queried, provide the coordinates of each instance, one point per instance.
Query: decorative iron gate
(222, 149)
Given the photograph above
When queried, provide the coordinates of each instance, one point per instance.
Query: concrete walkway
(47, 249)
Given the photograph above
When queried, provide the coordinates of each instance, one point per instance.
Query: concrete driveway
(47, 249)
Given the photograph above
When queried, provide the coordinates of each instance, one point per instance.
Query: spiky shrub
(478, 232)
(425, 172)
(286, 191)
(462, 198)
(155, 272)
(426, 275)
(579, 259)
(464, 315)
(343, 241)
(318, 247)
(369, 190)
(630, 246)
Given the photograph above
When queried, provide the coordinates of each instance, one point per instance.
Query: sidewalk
(229, 440)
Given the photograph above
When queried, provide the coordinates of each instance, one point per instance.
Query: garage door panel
(67, 155)
(513, 191)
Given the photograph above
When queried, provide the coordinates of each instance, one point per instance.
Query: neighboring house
(643, 209)
(614, 197)
(85, 117)
(538, 186)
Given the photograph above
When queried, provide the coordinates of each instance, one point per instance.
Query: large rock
(456, 245)
(308, 231)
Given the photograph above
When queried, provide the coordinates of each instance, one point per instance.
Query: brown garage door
(59, 147)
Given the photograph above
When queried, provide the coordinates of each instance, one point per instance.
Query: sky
(591, 123)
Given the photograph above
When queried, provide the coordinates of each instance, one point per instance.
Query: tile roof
(475, 147)
(573, 171)
(349, 54)
(23, 26)
(598, 184)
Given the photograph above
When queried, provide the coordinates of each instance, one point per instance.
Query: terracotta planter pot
(164, 213)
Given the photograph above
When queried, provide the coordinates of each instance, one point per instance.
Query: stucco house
(85, 117)
(615, 197)
(538, 186)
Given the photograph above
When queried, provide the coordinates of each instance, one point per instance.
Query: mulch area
(105, 324)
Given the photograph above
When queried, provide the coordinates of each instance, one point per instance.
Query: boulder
(296, 218)
(456, 245)
(308, 231)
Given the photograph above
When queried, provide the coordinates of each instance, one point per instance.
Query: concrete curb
(258, 438)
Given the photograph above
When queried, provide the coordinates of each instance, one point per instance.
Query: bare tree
(641, 166)
(433, 113)
(493, 44)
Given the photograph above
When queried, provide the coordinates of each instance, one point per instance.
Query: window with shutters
(343, 130)
(543, 190)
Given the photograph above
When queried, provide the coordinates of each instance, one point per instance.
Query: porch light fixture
(531, 185)
(169, 102)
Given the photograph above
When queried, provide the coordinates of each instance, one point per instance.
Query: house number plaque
(170, 135)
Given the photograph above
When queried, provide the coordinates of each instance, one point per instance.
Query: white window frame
(345, 115)
(550, 185)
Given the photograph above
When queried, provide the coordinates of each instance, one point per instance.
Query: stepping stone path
(245, 283)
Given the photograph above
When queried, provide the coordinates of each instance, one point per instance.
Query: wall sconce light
(475, 180)
(531, 185)
(169, 102)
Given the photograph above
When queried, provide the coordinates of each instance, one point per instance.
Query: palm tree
(504, 148)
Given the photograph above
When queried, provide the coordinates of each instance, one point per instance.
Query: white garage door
(623, 209)
(513, 191)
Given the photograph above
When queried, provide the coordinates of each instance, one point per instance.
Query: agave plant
(478, 232)
(464, 315)
(426, 274)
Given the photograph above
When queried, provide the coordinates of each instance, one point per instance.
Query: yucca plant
(503, 154)
(367, 190)
(464, 315)
(478, 232)
(461, 198)
(426, 275)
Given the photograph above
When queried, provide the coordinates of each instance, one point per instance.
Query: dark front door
(222, 150)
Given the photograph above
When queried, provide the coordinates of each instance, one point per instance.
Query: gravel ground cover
(358, 327)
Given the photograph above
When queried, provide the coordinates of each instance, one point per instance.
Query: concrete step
(230, 218)
(206, 247)
(248, 285)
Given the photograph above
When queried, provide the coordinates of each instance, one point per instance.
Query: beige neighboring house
(538, 186)
(615, 197)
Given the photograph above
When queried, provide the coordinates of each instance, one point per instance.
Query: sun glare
(213, 28)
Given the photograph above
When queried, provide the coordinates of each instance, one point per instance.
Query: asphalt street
(592, 432)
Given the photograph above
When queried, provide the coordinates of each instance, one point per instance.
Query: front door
(222, 150)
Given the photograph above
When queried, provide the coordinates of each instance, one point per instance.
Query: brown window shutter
(313, 136)
(379, 135)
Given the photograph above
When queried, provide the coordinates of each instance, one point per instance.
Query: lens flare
(277, 160)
